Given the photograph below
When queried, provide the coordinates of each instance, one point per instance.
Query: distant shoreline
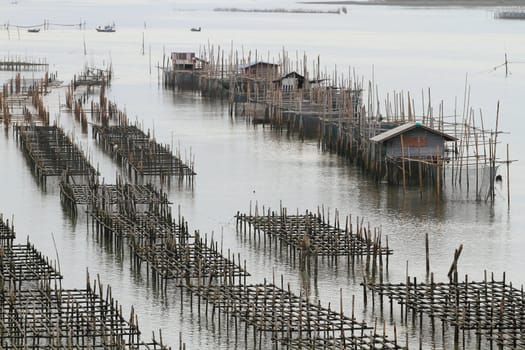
(423, 3)
(278, 10)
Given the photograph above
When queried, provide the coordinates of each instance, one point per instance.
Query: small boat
(511, 14)
(196, 29)
(106, 29)
(33, 30)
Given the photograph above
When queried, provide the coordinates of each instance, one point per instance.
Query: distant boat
(196, 29)
(518, 13)
(106, 29)
(33, 30)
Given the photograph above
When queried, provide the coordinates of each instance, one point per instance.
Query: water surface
(237, 164)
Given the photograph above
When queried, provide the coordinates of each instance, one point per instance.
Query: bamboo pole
(403, 163)
(508, 178)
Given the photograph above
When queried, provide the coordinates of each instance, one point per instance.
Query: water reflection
(237, 163)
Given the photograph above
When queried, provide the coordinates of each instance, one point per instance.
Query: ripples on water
(238, 163)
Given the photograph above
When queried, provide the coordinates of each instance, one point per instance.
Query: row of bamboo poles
(137, 151)
(36, 312)
(21, 100)
(311, 237)
(493, 310)
(51, 152)
(216, 281)
(332, 107)
(18, 63)
(197, 263)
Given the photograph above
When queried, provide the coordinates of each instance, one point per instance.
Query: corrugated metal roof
(248, 65)
(389, 134)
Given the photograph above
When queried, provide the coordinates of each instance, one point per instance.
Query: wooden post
(506, 66)
(454, 267)
(493, 172)
(477, 167)
(403, 163)
(438, 175)
(508, 177)
(427, 253)
(420, 180)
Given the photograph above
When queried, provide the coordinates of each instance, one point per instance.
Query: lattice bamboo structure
(193, 262)
(51, 152)
(22, 64)
(311, 235)
(142, 216)
(125, 210)
(136, 151)
(492, 309)
(167, 248)
(146, 225)
(76, 102)
(92, 76)
(21, 100)
(20, 263)
(39, 314)
(104, 196)
(170, 254)
(55, 318)
(292, 321)
(7, 232)
(84, 194)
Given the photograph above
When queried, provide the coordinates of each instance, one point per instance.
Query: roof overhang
(390, 134)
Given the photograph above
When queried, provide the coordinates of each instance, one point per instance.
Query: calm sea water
(238, 164)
